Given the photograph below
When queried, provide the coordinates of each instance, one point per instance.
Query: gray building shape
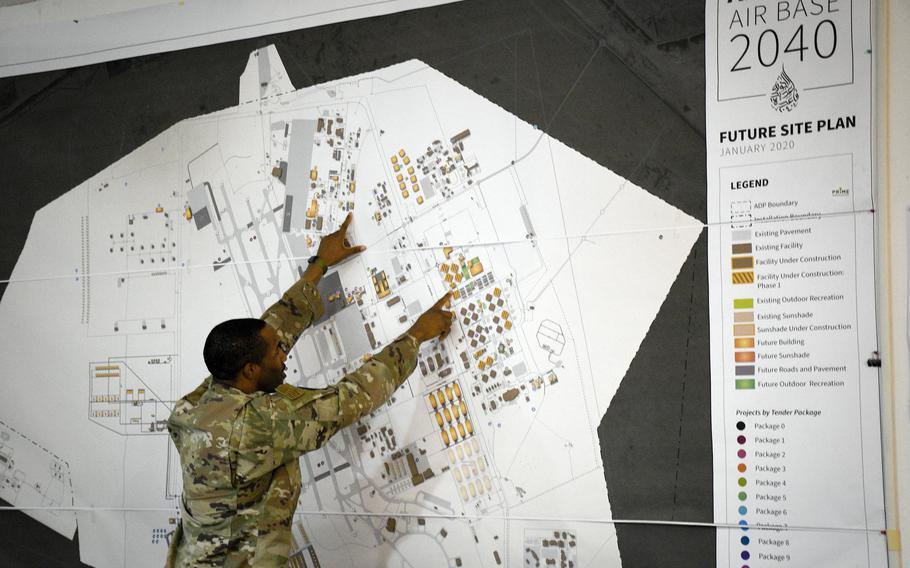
(198, 198)
(300, 157)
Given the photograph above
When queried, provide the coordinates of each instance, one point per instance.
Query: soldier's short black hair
(231, 345)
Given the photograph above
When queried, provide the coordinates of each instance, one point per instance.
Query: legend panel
(793, 351)
(795, 405)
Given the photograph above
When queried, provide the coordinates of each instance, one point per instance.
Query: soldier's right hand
(434, 322)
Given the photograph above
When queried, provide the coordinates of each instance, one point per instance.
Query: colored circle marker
(743, 510)
(740, 425)
(741, 454)
(744, 555)
(744, 525)
(744, 540)
(741, 481)
(741, 439)
(741, 467)
(742, 496)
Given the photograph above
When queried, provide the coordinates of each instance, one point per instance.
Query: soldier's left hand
(334, 247)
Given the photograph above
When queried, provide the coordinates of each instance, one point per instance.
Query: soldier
(241, 432)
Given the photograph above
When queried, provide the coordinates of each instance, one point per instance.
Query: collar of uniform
(217, 387)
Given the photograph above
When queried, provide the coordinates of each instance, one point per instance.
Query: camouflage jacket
(239, 452)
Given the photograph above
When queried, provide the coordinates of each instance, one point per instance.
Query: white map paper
(487, 456)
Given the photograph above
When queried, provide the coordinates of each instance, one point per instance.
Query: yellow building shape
(451, 414)
(381, 284)
(313, 210)
(313, 174)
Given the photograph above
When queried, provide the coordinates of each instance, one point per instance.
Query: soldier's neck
(244, 384)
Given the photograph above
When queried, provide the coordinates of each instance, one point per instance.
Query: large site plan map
(488, 456)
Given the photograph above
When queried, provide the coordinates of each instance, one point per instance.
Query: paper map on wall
(487, 456)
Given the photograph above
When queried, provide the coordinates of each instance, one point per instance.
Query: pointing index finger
(444, 301)
(347, 221)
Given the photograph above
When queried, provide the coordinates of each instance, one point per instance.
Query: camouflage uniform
(239, 452)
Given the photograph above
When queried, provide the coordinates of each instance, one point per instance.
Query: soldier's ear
(250, 371)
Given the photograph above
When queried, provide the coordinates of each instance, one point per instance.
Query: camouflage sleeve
(364, 390)
(279, 427)
(297, 309)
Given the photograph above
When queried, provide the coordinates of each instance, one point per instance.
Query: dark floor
(621, 81)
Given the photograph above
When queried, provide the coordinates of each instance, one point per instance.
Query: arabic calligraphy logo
(784, 94)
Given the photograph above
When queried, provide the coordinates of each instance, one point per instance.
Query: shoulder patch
(289, 392)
